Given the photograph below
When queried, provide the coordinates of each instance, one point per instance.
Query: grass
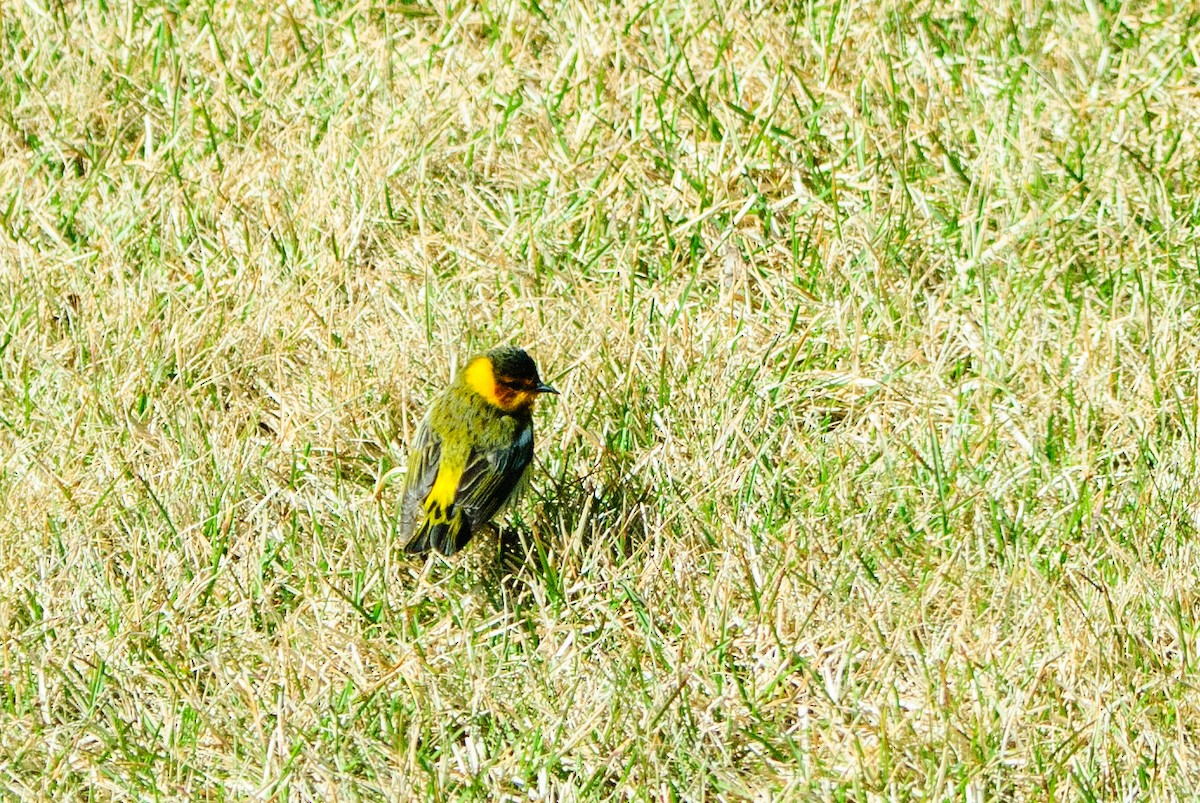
(873, 473)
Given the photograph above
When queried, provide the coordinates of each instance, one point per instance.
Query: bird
(471, 453)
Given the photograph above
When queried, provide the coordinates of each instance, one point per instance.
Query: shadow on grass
(580, 528)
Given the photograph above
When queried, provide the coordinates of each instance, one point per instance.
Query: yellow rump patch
(441, 495)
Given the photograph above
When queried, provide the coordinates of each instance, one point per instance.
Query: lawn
(873, 476)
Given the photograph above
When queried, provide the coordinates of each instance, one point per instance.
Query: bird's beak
(544, 388)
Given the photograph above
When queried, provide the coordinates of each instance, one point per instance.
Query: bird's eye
(520, 385)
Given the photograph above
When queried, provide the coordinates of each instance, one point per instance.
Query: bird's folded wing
(491, 477)
(424, 457)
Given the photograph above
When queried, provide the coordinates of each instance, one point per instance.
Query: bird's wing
(424, 457)
(486, 483)
(491, 477)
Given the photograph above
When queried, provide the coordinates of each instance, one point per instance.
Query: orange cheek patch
(508, 399)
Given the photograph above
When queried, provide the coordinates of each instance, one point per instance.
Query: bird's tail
(447, 534)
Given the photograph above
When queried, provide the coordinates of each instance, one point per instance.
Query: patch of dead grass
(872, 473)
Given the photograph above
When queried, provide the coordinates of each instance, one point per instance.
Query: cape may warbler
(471, 452)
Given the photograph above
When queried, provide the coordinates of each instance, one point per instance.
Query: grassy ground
(873, 476)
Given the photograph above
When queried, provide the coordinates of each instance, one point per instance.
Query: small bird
(471, 452)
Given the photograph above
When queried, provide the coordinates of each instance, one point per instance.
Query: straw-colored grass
(873, 476)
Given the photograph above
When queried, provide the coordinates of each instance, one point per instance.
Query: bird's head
(507, 378)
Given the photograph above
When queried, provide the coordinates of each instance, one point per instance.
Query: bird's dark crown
(512, 363)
